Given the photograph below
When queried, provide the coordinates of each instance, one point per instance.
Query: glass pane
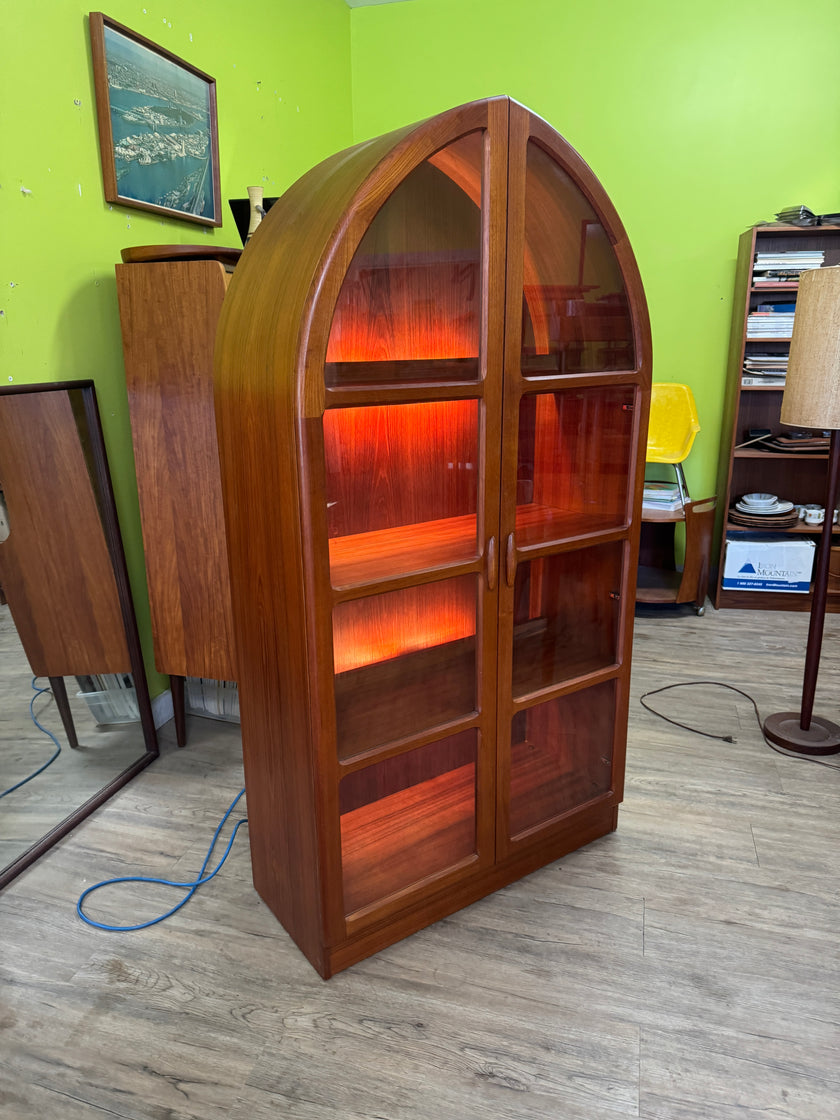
(404, 662)
(574, 462)
(561, 755)
(407, 818)
(575, 314)
(410, 305)
(401, 488)
(565, 616)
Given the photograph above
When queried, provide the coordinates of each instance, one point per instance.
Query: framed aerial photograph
(158, 135)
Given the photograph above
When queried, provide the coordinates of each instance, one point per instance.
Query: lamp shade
(812, 386)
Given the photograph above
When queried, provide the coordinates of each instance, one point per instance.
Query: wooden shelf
(380, 374)
(798, 473)
(795, 530)
(390, 700)
(664, 516)
(805, 456)
(542, 660)
(536, 524)
(366, 558)
(407, 837)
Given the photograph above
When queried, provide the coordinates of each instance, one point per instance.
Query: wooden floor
(686, 967)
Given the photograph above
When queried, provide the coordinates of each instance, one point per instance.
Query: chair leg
(681, 483)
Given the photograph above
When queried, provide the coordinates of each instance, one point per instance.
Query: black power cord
(727, 738)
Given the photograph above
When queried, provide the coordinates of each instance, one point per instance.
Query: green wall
(283, 80)
(699, 119)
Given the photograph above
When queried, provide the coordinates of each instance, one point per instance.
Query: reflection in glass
(561, 755)
(575, 313)
(105, 727)
(565, 616)
(406, 818)
(410, 305)
(573, 463)
(404, 661)
(69, 622)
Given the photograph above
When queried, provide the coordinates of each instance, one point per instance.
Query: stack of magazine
(765, 369)
(802, 216)
(783, 267)
(661, 496)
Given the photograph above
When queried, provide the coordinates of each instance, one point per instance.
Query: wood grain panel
(389, 701)
(399, 840)
(169, 312)
(55, 567)
(400, 465)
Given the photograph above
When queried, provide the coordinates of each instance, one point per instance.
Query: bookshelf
(754, 403)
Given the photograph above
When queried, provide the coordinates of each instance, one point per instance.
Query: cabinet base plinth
(822, 737)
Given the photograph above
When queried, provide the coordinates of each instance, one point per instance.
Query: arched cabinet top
(289, 309)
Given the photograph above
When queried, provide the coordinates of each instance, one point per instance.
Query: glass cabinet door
(410, 306)
(572, 399)
(408, 510)
(575, 312)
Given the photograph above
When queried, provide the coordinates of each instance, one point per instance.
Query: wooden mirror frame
(101, 481)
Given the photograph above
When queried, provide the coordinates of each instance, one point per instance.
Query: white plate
(765, 511)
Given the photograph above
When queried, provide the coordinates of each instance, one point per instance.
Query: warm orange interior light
(407, 313)
(393, 465)
(381, 627)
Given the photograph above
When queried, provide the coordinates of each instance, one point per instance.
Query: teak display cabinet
(747, 469)
(432, 383)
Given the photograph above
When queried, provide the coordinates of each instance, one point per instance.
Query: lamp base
(822, 737)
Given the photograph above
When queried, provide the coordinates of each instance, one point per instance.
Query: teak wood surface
(169, 312)
(343, 535)
(55, 566)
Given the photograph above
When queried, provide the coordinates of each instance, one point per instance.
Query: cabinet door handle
(492, 564)
(510, 561)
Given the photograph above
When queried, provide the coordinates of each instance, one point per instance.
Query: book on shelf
(770, 324)
(763, 379)
(785, 267)
(661, 496)
(766, 362)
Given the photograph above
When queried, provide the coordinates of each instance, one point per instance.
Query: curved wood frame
(108, 511)
(270, 399)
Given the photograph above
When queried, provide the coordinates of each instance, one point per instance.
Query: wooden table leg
(177, 686)
(59, 691)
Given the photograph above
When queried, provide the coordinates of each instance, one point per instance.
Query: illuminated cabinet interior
(432, 381)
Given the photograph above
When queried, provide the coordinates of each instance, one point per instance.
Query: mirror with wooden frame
(75, 714)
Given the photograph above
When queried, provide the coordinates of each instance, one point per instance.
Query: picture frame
(158, 129)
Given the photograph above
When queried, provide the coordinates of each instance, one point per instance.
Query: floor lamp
(812, 400)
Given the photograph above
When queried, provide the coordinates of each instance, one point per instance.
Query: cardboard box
(761, 563)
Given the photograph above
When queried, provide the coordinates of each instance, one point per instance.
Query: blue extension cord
(189, 887)
(38, 692)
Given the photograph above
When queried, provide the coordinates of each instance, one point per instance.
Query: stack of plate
(763, 511)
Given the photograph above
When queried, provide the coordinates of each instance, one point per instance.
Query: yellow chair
(672, 427)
